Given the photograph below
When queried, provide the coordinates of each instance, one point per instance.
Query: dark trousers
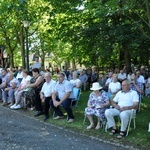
(66, 105)
(47, 105)
(38, 103)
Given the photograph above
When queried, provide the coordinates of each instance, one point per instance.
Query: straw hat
(96, 86)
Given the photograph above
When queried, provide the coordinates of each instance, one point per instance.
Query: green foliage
(90, 32)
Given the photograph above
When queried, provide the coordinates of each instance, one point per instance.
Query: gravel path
(22, 132)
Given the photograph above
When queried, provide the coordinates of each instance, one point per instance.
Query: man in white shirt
(123, 103)
(122, 75)
(140, 78)
(46, 93)
(61, 96)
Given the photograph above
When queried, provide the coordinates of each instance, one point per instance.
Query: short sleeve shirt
(114, 87)
(48, 88)
(63, 88)
(75, 82)
(14, 80)
(36, 65)
(122, 76)
(141, 79)
(126, 99)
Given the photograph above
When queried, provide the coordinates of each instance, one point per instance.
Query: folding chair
(132, 117)
(76, 93)
(102, 120)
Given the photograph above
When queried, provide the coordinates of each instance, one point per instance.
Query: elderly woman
(114, 86)
(75, 81)
(97, 104)
(11, 85)
(18, 93)
(36, 84)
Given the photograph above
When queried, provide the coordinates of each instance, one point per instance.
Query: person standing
(37, 64)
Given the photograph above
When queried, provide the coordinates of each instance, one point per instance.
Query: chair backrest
(76, 93)
(109, 95)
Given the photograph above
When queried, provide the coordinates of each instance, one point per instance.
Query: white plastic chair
(132, 117)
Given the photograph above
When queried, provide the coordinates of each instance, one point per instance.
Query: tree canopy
(90, 32)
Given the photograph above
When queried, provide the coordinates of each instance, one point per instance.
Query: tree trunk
(127, 58)
(22, 47)
(43, 64)
(121, 57)
(73, 64)
(11, 59)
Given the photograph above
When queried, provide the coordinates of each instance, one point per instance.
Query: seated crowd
(120, 91)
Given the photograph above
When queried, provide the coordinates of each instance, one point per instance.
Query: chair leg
(128, 127)
(84, 119)
(134, 123)
(106, 127)
(53, 114)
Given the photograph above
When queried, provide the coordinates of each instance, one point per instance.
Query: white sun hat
(96, 86)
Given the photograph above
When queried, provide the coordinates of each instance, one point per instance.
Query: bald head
(125, 86)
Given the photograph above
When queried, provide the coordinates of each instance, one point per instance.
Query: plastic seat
(76, 93)
(132, 117)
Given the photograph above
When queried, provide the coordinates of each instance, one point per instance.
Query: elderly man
(123, 103)
(46, 93)
(61, 96)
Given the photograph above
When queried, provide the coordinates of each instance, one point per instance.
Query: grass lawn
(139, 137)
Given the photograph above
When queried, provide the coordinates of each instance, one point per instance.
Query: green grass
(139, 137)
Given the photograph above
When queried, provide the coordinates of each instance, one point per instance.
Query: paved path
(21, 132)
